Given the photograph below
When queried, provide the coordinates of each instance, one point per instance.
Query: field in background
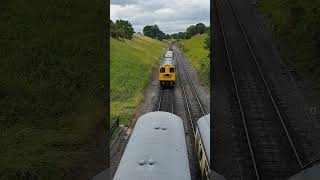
(198, 55)
(132, 62)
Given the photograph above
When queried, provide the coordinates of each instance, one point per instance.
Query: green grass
(132, 62)
(297, 23)
(198, 55)
(52, 76)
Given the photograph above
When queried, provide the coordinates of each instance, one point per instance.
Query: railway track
(194, 106)
(194, 110)
(166, 100)
(270, 147)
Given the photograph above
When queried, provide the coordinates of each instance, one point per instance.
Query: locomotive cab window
(162, 70)
(171, 70)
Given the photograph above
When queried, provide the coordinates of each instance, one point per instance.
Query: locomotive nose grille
(167, 75)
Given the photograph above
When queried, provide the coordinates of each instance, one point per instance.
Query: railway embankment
(52, 76)
(132, 64)
(198, 55)
(296, 24)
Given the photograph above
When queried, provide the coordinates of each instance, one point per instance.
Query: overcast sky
(170, 15)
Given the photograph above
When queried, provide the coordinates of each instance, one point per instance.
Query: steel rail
(191, 119)
(187, 104)
(189, 115)
(118, 140)
(197, 97)
(194, 90)
(160, 99)
(267, 88)
(172, 102)
(237, 94)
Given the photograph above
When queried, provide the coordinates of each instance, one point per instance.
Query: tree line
(154, 32)
(192, 30)
(121, 29)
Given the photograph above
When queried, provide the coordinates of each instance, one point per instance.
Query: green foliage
(198, 55)
(153, 32)
(52, 76)
(201, 28)
(174, 36)
(207, 41)
(192, 30)
(297, 22)
(121, 29)
(149, 31)
(207, 29)
(181, 35)
(132, 63)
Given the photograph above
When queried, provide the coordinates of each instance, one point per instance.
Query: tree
(148, 31)
(112, 29)
(125, 28)
(160, 35)
(200, 28)
(207, 29)
(207, 43)
(121, 29)
(153, 32)
(181, 35)
(174, 36)
(191, 31)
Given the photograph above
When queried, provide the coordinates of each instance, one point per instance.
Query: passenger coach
(169, 54)
(156, 150)
(202, 140)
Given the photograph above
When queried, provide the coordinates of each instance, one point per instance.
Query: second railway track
(270, 148)
(193, 107)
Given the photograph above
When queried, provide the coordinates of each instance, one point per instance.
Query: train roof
(169, 52)
(156, 150)
(215, 176)
(204, 129)
(167, 61)
(312, 173)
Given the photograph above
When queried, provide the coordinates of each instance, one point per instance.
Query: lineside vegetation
(297, 23)
(52, 76)
(198, 53)
(132, 63)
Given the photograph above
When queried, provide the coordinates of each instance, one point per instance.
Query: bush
(153, 32)
(121, 29)
(297, 23)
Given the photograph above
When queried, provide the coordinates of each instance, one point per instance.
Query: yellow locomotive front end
(167, 75)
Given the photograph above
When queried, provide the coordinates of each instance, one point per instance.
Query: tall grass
(52, 76)
(132, 62)
(198, 55)
(297, 23)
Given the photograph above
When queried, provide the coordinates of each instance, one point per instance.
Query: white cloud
(170, 15)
